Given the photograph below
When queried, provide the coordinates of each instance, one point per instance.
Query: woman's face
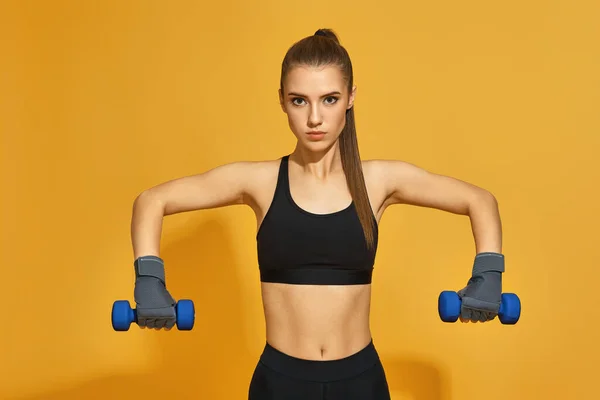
(315, 101)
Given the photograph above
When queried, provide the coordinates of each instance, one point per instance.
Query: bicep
(413, 185)
(221, 186)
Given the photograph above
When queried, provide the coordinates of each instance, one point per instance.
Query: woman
(317, 212)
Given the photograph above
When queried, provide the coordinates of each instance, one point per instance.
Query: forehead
(314, 80)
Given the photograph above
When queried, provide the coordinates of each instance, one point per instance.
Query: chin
(317, 145)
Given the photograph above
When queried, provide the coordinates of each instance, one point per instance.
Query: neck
(320, 164)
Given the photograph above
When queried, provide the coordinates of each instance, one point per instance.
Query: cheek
(296, 120)
(296, 115)
(339, 117)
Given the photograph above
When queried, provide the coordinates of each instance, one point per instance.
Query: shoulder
(385, 170)
(260, 170)
(256, 176)
(407, 183)
(395, 178)
(242, 176)
(383, 165)
(258, 180)
(250, 168)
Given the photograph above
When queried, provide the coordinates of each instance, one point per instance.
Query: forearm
(146, 225)
(486, 224)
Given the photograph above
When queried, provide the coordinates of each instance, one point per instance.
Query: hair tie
(320, 33)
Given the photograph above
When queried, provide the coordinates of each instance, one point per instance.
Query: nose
(315, 118)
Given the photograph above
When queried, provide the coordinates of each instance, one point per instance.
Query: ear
(351, 98)
(281, 100)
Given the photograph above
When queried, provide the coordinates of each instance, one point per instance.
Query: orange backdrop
(100, 100)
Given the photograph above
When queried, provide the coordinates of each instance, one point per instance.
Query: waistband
(320, 371)
(317, 276)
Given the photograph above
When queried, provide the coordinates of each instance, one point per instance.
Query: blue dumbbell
(123, 315)
(449, 307)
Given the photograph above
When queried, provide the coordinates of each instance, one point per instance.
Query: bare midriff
(317, 322)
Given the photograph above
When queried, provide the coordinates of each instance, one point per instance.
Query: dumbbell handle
(132, 314)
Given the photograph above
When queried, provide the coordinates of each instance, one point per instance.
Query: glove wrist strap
(488, 262)
(150, 266)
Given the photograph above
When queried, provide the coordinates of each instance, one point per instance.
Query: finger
(169, 323)
(465, 313)
(159, 324)
(150, 322)
(476, 315)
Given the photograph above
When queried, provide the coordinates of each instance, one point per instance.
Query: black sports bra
(299, 247)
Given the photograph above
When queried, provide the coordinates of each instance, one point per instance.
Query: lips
(315, 136)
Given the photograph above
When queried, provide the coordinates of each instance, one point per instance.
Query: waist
(317, 275)
(316, 322)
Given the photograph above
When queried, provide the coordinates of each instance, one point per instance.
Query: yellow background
(100, 100)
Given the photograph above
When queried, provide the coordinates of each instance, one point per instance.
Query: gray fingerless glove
(155, 306)
(482, 296)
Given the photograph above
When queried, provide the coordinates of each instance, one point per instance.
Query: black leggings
(279, 376)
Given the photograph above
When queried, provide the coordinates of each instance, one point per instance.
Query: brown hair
(323, 48)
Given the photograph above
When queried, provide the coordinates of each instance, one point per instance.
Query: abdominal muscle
(317, 322)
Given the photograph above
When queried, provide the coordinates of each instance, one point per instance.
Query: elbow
(148, 198)
(141, 198)
(489, 196)
(483, 198)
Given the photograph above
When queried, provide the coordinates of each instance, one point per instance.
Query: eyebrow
(303, 95)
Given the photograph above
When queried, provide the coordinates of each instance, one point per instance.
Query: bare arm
(409, 184)
(222, 186)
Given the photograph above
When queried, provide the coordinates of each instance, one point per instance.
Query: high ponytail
(324, 48)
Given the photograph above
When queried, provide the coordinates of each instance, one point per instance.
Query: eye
(330, 100)
(295, 99)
